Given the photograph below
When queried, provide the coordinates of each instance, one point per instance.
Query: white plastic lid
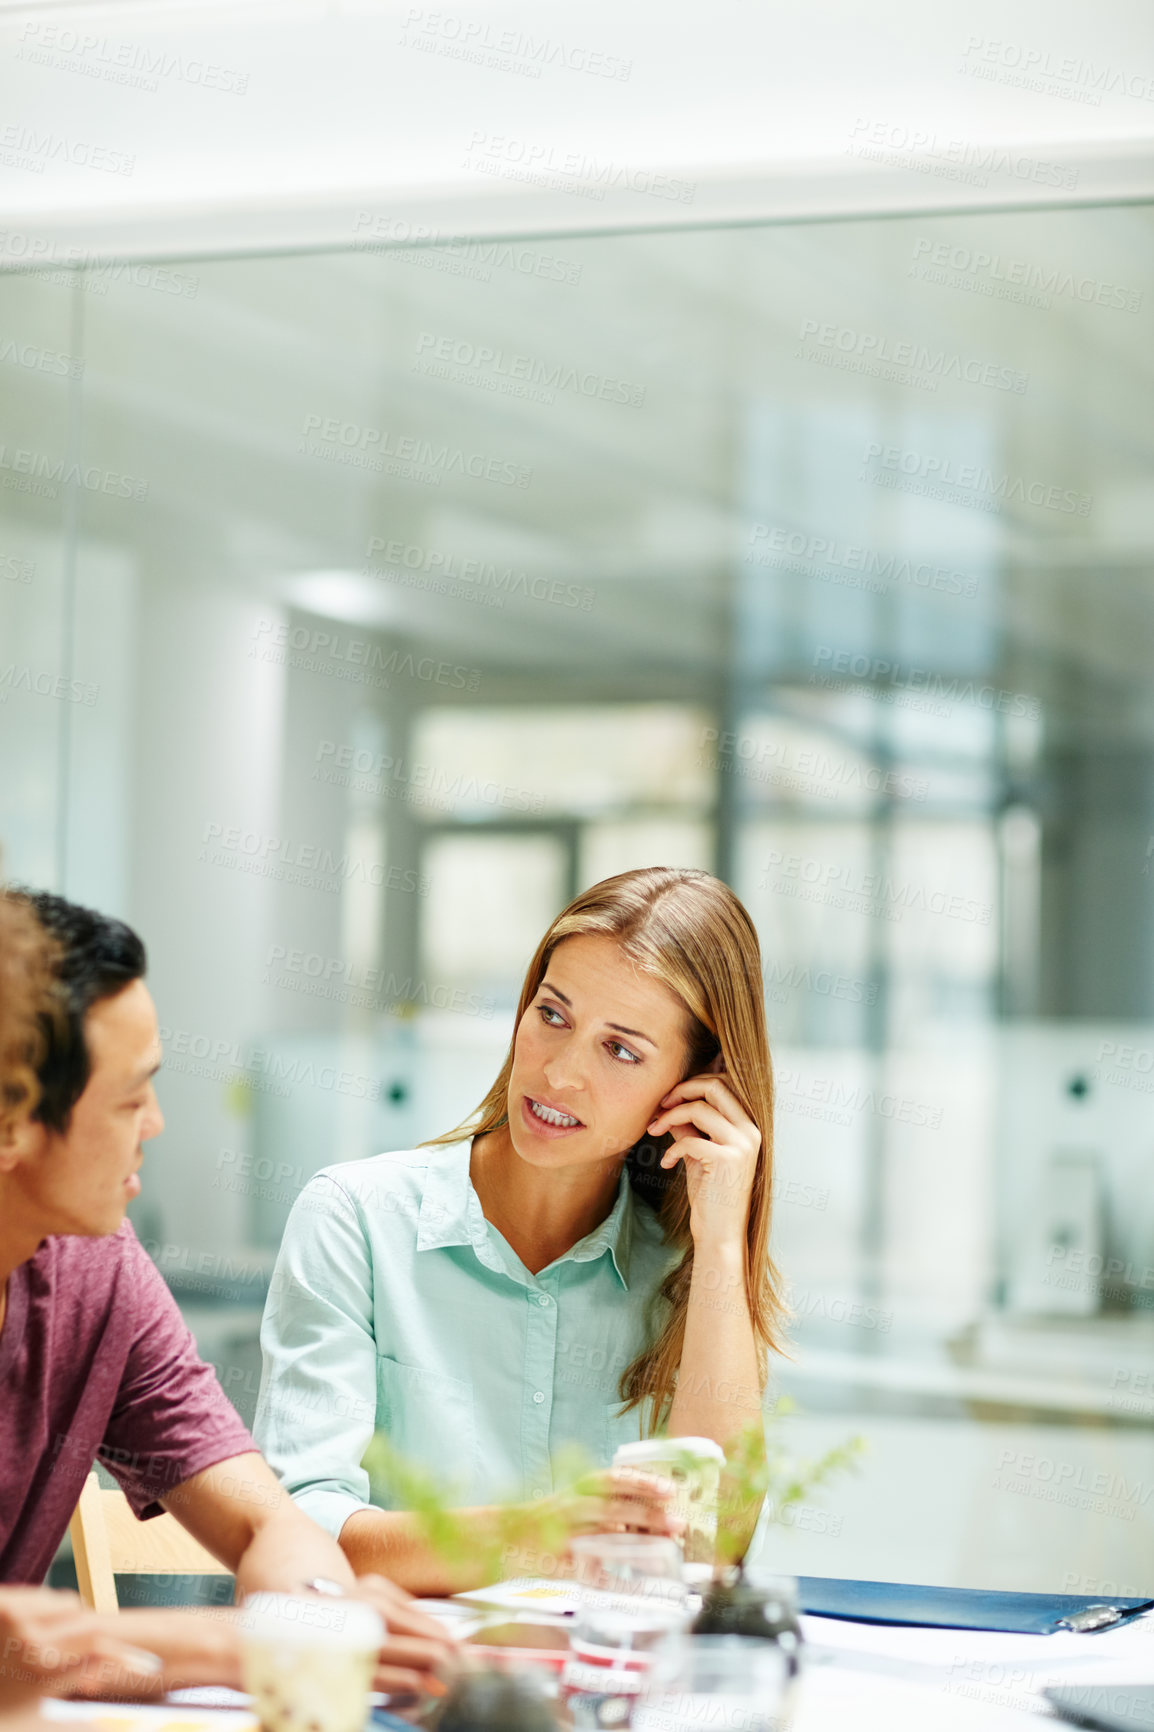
(300, 1618)
(666, 1449)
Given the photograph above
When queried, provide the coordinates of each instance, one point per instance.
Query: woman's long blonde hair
(689, 931)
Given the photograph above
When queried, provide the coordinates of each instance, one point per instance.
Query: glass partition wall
(358, 608)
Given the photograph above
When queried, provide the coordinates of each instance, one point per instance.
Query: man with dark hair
(96, 1362)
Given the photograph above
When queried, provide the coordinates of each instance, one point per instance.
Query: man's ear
(21, 1139)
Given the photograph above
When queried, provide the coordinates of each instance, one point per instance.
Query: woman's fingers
(647, 1518)
(699, 1113)
(625, 1509)
(647, 1491)
(694, 1148)
(714, 1089)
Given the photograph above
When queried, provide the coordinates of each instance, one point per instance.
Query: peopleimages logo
(958, 159)
(460, 255)
(835, 885)
(335, 978)
(428, 783)
(569, 170)
(125, 63)
(902, 359)
(944, 473)
(475, 40)
(488, 368)
(39, 360)
(1030, 68)
(1015, 279)
(308, 864)
(895, 676)
(219, 1059)
(24, 147)
(37, 472)
(353, 658)
(451, 573)
(809, 553)
(404, 454)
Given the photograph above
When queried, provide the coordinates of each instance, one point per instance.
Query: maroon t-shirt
(96, 1362)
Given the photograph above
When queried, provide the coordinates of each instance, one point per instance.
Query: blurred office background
(377, 572)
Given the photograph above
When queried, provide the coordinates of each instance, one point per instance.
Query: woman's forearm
(718, 1384)
(390, 1543)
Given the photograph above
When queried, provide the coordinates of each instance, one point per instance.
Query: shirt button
(539, 1396)
(544, 1299)
(537, 1496)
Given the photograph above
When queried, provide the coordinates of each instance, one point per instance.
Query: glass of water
(629, 1564)
(613, 1643)
(708, 1681)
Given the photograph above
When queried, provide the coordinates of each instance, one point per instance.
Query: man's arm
(241, 1513)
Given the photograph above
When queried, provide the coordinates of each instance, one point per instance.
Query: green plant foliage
(516, 1537)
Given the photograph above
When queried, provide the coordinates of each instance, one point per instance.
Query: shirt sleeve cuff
(329, 1509)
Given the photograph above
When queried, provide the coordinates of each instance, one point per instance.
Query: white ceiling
(762, 104)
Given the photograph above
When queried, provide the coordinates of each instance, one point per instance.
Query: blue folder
(953, 1608)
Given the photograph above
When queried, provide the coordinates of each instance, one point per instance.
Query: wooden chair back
(107, 1541)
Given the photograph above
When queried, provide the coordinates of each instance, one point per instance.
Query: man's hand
(417, 1649)
(51, 1645)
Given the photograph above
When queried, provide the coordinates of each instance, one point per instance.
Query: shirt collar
(451, 1214)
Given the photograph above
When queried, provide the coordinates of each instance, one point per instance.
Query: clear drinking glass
(613, 1642)
(702, 1682)
(630, 1565)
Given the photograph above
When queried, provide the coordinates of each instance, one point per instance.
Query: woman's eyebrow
(547, 986)
(635, 1031)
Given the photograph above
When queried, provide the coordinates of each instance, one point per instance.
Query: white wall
(177, 127)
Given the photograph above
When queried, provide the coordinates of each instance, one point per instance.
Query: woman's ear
(716, 1065)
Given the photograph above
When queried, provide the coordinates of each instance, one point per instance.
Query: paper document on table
(986, 1669)
(526, 1594)
(149, 1717)
(209, 1696)
(830, 1698)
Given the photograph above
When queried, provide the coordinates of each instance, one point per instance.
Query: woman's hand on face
(720, 1162)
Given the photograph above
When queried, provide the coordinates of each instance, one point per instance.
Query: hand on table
(51, 1645)
(417, 1648)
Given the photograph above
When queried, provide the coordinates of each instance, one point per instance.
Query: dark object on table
(495, 1702)
(1109, 1707)
(737, 1604)
(959, 1608)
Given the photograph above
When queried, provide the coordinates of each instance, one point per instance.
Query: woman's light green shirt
(395, 1305)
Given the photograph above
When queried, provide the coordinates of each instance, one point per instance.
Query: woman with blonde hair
(585, 1261)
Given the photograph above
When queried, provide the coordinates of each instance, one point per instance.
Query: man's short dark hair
(96, 957)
